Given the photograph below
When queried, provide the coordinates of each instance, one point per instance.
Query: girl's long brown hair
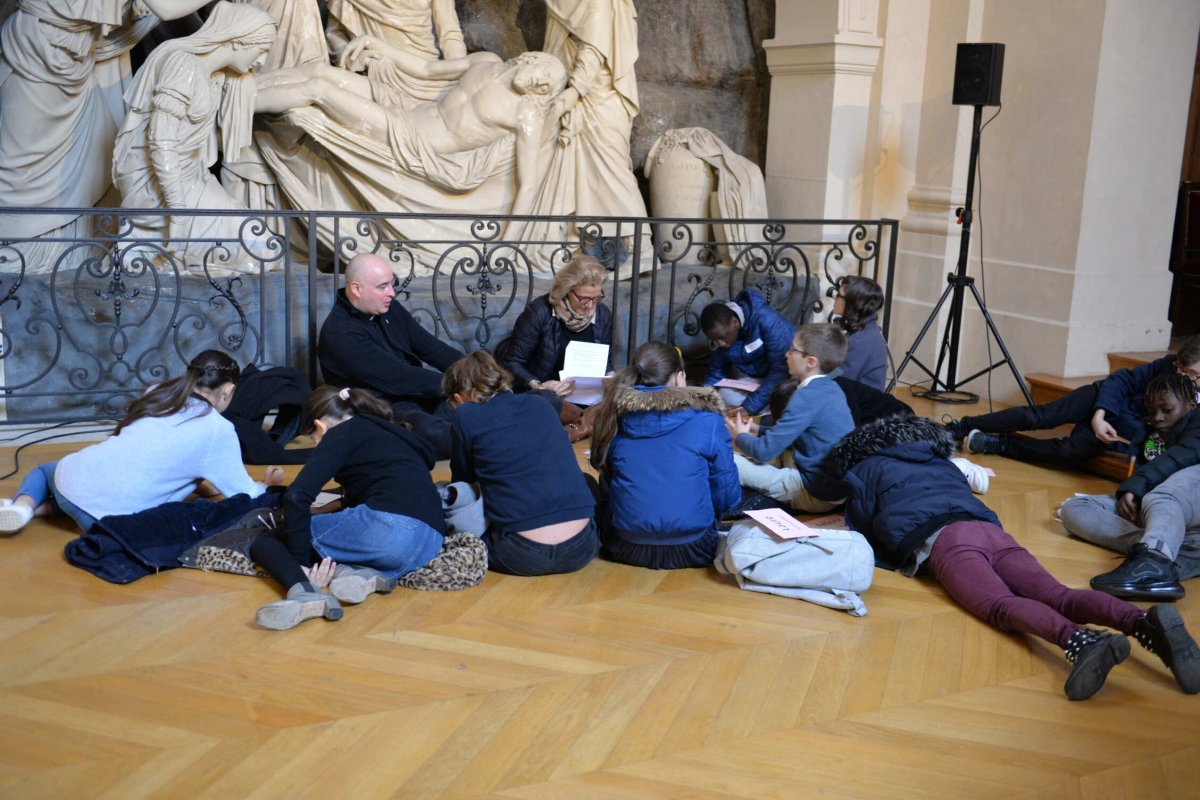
(210, 370)
(653, 364)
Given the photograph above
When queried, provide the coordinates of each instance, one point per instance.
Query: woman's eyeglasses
(586, 301)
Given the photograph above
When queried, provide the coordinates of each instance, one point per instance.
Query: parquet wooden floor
(614, 682)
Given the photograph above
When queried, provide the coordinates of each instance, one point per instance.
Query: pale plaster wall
(1076, 186)
(1139, 121)
(894, 127)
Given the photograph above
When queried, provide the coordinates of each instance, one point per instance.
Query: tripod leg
(916, 342)
(1000, 342)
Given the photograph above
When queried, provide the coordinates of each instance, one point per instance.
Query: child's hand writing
(274, 475)
(1104, 432)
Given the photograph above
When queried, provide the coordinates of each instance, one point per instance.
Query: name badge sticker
(752, 346)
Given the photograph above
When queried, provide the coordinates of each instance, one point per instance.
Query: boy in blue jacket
(1104, 413)
(749, 339)
(815, 418)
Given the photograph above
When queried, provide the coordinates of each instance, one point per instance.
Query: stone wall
(701, 63)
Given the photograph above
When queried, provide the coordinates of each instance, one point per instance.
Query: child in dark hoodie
(1154, 515)
(663, 450)
(915, 507)
(391, 522)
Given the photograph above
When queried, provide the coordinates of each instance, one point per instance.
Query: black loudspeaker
(977, 73)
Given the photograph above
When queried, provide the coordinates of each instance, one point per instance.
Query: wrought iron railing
(90, 316)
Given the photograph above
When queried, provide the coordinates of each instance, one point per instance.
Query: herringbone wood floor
(613, 682)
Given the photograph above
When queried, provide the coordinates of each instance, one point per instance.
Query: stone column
(822, 61)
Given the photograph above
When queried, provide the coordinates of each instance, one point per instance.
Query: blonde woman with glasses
(572, 311)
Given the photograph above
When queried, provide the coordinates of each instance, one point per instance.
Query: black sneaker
(752, 500)
(1161, 631)
(1094, 654)
(954, 426)
(1142, 576)
(984, 444)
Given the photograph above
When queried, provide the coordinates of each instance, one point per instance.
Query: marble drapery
(588, 170)
(63, 66)
(177, 106)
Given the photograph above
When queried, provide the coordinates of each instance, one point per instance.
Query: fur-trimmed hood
(888, 432)
(628, 399)
(644, 412)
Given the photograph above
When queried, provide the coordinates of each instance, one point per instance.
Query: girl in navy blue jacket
(668, 460)
(916, 509)
(856, 311)
(539, 507)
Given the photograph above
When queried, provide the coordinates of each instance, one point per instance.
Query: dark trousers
(513, 554)
(1074, 408)
(271, 552)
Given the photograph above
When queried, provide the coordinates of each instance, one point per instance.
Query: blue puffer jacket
(902, 485)
(536, 346)
(670, 465)
(759, 352)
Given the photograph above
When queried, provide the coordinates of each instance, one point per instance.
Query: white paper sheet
(585, 360)
(588, 391)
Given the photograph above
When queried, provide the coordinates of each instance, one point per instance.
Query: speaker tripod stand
(957, 284)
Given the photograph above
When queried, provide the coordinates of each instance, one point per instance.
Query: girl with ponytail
(172, 438)
(664, 451)
(391, 520)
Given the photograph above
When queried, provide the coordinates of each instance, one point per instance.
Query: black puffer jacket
(1184, 452)
(902, 486)
(536, 346)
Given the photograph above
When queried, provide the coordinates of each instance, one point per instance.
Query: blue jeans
(513, 554)
(38, 484)
(392, 544)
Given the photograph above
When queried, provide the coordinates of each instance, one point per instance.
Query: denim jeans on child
(392, 544)
(38, 485)
(513, 554)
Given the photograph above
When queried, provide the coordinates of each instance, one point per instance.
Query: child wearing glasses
(814, 419)
(749, 339)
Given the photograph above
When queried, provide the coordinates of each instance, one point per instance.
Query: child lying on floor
(915, 508)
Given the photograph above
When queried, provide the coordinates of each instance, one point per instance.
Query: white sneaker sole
(13, 518)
